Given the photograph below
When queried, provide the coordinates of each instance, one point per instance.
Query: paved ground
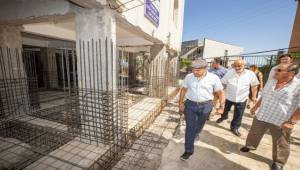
(146, 152)
(218, 149)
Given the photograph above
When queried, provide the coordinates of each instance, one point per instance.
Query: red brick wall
(295, 38)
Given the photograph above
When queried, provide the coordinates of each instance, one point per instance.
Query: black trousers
(239, 108)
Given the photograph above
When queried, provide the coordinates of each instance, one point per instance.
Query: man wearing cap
(237, 83)
(198, 88)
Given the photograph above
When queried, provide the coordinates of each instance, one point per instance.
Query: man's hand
(254, 100)
(181, 106)
(253, 110)
(287, 125)
(219, 111)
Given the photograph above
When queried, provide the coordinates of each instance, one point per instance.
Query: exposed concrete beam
(136, 30)
(17, 12)
(50, 30)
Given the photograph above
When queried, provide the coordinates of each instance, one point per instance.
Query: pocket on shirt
(286, 97)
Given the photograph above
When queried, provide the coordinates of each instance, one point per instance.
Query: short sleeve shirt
(201, 90)
(220, 72)
(238, 86)
(278, 105)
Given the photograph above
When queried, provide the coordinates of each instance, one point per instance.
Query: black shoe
(247, 149)
(221, 120)
(185, 156)
(236, 132)
(276, 167)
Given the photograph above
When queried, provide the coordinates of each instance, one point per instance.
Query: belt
(200, 103)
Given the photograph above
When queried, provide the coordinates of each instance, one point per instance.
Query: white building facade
(93, 58)
(209, 49)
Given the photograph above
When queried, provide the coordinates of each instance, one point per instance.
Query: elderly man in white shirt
(279, 109)
(198, 88)
(237, 83)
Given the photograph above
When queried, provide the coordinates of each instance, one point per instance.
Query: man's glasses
(281, 70)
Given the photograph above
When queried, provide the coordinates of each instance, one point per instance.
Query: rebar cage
(66, 108)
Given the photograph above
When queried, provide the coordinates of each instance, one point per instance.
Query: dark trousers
(280, 139)
(195, 117)
(239, 109)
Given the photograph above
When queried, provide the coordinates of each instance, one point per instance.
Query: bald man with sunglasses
(278, 112)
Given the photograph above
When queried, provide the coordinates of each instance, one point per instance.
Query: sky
(255, 25)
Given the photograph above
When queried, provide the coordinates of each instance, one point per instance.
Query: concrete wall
(217, 49)
(295, 38)
(14, 94)
(21, 11)
(168, 31)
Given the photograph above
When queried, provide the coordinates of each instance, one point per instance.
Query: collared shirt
(278, 105)
(237, 86)
(220, 72)
(272, 72)
(201, 90)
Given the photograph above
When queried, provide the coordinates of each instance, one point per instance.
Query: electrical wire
(122, 4)
(267, 51)
(138, 6)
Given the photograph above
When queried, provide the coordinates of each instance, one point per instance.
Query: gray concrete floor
(217, 148)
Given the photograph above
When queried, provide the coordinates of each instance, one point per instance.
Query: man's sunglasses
(281, 70)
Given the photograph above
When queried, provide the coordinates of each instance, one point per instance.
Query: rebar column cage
(55, 95)
(54, 99)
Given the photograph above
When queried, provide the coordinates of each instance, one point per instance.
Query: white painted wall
(167, 31)
(217, 49)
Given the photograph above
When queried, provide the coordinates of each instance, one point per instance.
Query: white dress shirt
(278, 105)
(201, 90)
(238, 86)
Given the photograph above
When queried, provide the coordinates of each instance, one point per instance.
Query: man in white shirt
(237, 83)
(198, 88)
(279, 109)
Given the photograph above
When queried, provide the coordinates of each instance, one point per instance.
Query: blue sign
(151, 12)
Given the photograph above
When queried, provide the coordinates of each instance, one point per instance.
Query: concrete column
(13, 80)
(173, 70)
(132, 68)
(97, 73)
(50, 67)
(157, 71)
(96, 30)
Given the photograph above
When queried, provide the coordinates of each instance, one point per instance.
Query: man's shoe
(185, 156)
(247, 149)
(276, 167)
(236, 132)
(221, 120)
